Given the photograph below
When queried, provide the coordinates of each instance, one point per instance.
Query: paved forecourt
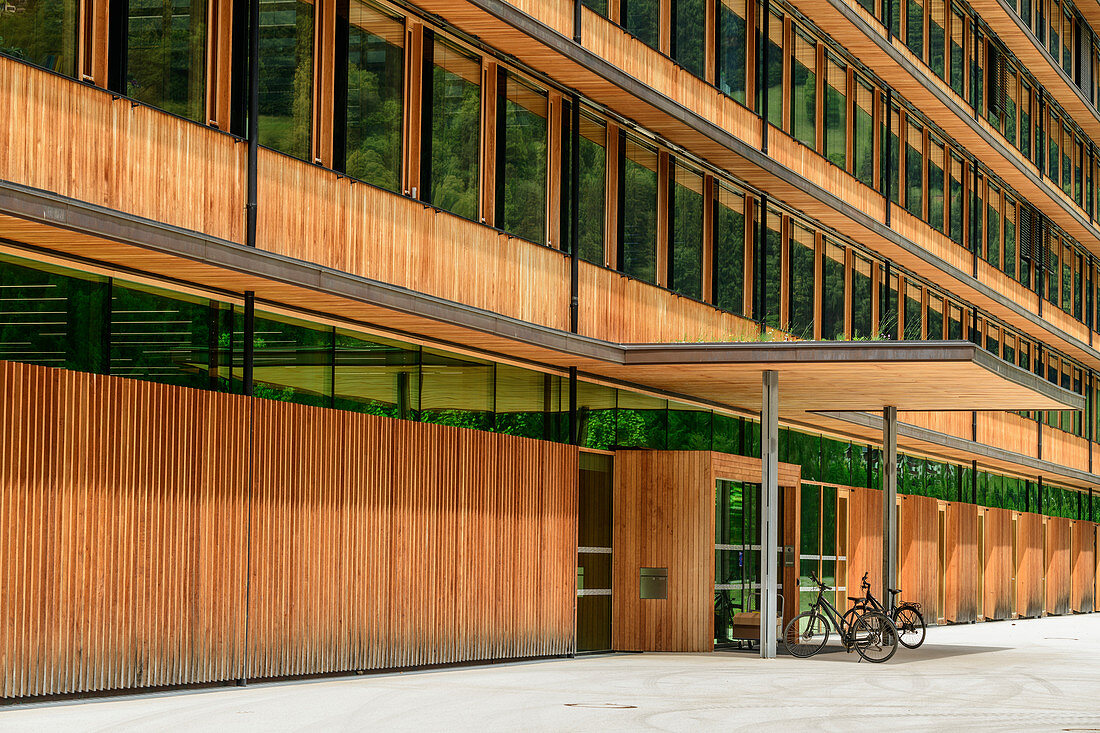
(1013, 675)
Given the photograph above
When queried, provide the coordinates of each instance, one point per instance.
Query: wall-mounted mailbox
(653, 583)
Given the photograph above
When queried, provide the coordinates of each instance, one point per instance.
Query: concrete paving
(1039, 674)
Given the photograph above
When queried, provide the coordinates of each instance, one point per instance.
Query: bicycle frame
(833, 615)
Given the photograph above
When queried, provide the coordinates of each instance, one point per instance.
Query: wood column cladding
(664, 518)
(219, 62)
(124, 521)
(91, 52)
(998, 602)
(324, 69)
(962, 563)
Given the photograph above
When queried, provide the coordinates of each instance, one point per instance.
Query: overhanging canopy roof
(841, 376)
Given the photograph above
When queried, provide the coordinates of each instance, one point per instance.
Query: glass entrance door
(594, 511)
(737, 559)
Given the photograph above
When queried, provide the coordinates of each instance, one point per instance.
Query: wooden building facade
(309, 314)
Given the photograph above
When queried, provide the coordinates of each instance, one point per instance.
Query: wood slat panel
(77, 141)
(312, 215)
(123, 527)
(918, 540)
(1029, 565)
(865, 540)
(624, 310)
(1064, 448)
(998, 570)
(1083, 593)
(124, 518)
(1059, 565)
(381, 543)
(663, 517)
(961, 592)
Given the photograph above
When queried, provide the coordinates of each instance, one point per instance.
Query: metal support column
(889, 499)
(769, 512)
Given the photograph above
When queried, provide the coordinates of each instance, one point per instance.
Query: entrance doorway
(594, 513)
(737, 560)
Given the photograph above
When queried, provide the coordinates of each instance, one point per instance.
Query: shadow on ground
(925, 653)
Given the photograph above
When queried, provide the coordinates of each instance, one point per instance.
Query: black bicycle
(871, 634)
(906, 615)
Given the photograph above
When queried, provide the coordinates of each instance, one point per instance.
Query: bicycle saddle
(894, 591)
(854, 598)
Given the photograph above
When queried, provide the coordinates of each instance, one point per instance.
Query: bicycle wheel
(806, 634)
(910, 626)
(874, 637)
(850, 617)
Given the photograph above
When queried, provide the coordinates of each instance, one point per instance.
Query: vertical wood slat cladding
(663, 517)
(77, 141)
(998, 602)
(865, 540)
(918, 539)
(1059, 565)
(310, 214)
(962, 563)
(375, 542)
(1065, 449)
(1083, 592)
(621, 309)
(122, 523)
(406, 544)
(1029, 565)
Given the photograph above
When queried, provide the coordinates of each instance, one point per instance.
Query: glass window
(836, 111)
(732, 35)
(1067, 278)
(774, 84)
(286, 76)
(170, 338)
(596, 416)
(935, 317)
(641, 421)
(521, 158)
(376, 376)
(912, 311)
(914, 28)
(1054, 273)
(955, 200)
(1025, 120)
(935, 183)
(889, 309)
(863, 143)
(729, 251)
(769, 279)
(993, 226)
(592, 179)
(53, 316)
(1054, 155)
(914, 170)
(41, 32)
(456, 392)
(1010, 103)
(1067, 165)
(891, 144)
(977, 72)
(370, 147)
(937, 38)
(166, 55)
(958, 31)
(530, 404)
(688, 21)
(954, 322)
(832, 292)
(1010, 247)
(641, 18)
(454, 112)
(977, 209)
(800, 286)
(638, 213)
(862, 297)
(686, 225)
(596, 6)
(804, 89)
(293, 360)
